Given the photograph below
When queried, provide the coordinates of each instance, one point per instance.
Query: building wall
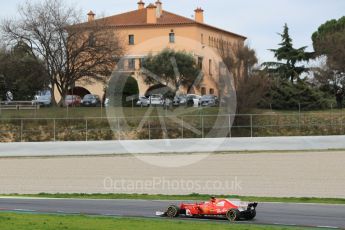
(199, 40)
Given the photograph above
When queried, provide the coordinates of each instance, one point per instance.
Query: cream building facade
(150, 29)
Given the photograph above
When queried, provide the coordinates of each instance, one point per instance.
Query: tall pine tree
(288, 57)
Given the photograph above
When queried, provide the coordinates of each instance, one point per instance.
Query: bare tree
(250, 83)
(72, 51)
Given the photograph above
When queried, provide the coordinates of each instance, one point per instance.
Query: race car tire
(250, 215)
(233, 214)
(173, 211)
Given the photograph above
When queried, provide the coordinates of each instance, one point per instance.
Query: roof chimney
(91, 16)
(199, 15)
(151, 14)
(141, 5)
(159, 9)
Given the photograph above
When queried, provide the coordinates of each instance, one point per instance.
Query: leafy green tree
(130, 91)
(288, 58)
(329, 41)
(285, 95)
(21, 73)
(172, 69)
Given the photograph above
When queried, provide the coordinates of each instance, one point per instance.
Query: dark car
(209, 100)
(91, 100)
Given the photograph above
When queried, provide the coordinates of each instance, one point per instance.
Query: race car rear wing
(252, 205)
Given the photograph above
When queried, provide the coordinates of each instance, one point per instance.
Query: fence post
(202, 127)
(251, 125)
(149, 129)
(54, 130)
(341, 121)
(21, 130)
(331, 116)
(230, 125)
(118, 129)
(182, 124)
(86, 130)
(102, 109)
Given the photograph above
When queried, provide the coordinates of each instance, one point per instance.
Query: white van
(43, 97)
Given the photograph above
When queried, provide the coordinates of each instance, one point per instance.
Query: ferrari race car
(232, 210)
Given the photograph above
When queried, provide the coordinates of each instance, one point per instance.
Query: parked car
(91, 100)
(43, 98)
(183, 99)
(72, 100)
(176, 101)
(193, 100)
(143, 101)
(179, 100)
(209, 100)
(168, 103)
(156, 99)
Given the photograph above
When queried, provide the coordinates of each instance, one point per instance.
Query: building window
(200, 60)
(211, 91)
(203, 91)
(202, 38)
(131, 64)
(131, 39)
(172, 37)
(92, 40)
(210, 67)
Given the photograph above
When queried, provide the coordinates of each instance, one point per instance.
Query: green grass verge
(183, 197)
(89, 112)
(18, 221)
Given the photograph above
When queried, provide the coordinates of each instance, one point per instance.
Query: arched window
(203, 91)
(211, 91)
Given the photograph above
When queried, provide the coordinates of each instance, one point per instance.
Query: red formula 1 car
(232, 210)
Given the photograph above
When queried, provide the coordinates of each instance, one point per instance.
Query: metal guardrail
(175, 127)
(18, 105)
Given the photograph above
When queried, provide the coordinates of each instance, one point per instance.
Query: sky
(258, 20)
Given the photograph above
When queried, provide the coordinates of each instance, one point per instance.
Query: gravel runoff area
(274, 174)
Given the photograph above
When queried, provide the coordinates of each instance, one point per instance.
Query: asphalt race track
(313, 215)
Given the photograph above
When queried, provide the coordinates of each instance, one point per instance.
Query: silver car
(209, 100)
(143, 102)
(156, 100)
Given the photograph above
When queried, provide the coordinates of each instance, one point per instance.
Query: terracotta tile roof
(138, 18)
